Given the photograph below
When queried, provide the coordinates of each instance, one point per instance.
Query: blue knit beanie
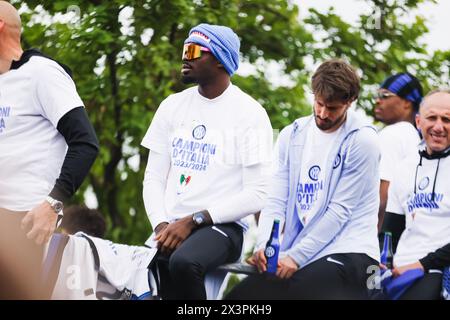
(222, 41)
(405, 86)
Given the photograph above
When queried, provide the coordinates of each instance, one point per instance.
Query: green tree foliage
(125, 56)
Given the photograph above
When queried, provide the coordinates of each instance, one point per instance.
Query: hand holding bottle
(259, 261)
(286, 267)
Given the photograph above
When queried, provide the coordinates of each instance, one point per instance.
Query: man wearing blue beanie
(208, 166)
(397, 103)
(221, 41)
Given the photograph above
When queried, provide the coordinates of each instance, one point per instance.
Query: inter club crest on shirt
(314, 173)
(337, 161)
(199, 132)
(424, 183)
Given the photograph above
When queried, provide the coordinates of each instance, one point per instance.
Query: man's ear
(418, 121)
(407, 104)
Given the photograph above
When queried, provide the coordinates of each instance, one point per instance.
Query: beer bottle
(387, 254)
(273, 248)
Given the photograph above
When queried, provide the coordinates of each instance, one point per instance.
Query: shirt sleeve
(157, 136)
(155, 180)
(363, 157)
(257, 140)
(388, 150)
(437, 260)
(278, 190)
(82, 150)
(394, 204)
(249, 200)
(256, 155)
(56, 92)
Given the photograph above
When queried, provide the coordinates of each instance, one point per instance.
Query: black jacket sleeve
(83, 148)
(394, 223)
(438, 259)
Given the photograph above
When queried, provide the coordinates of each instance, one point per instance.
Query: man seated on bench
(326, 192)
(208, 166)
(419, 202)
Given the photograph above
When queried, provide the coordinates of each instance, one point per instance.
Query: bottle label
(270, 252)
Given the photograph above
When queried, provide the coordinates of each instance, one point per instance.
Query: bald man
(420, 194)
(47, 147)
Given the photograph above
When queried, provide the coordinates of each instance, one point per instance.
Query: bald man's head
(434, 121)
(10, 20)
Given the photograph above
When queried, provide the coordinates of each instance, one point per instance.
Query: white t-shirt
(397, 141)
(33, 98)
(209, 142)
(313, 171)
(427, 222)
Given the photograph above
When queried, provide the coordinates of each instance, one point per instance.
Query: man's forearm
(438, 259)
(82, 150)
(155, 181)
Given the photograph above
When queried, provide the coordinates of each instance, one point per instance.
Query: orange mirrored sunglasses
(193, 51)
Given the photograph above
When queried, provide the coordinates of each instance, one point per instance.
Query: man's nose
(438, 126)
(322, 113)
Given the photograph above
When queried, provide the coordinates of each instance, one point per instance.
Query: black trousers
(427, 288)
(20, 260)
(337, 276)
(182, 274)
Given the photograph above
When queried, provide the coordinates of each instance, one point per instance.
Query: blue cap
(405, 86)
(223, 43)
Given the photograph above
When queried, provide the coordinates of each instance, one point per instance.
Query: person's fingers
(261, 257)
(39, 240)
(289, 273)
(279, 272)
(262, 261)
(33, 233)
(169, 244)
(161, 238)
(251, 260)
(173, 244)
(162, 245)
(396, 272)
(163, 248)
(261, 266)
(26, 221)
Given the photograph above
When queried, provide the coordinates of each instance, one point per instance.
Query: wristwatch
(55, 204)
(199, 218)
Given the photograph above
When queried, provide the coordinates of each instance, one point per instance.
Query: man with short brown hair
(325, 191)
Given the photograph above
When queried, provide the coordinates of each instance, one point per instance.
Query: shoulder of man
(176, 98)
(367, 135)
(365, 140)
(292, 131)
(246, 99)
(41, 62)
(395, 130)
